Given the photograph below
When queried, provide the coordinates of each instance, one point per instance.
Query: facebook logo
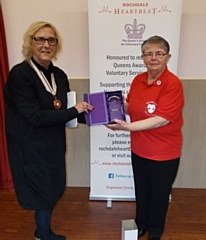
(111, 175)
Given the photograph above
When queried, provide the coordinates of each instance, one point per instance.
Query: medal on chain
(52, 89)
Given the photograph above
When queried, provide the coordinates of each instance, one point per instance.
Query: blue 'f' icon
(111, 175)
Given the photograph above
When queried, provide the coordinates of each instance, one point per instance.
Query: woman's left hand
(83, 107)
(118, 125)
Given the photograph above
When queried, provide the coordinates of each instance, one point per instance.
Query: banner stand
(116, 31)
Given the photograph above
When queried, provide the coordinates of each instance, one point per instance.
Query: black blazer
(36, 136)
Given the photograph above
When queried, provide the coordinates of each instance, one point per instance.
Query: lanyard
(50, 88)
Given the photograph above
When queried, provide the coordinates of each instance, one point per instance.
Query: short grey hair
(156, 40)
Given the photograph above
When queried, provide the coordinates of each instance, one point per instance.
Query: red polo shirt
(164, 98)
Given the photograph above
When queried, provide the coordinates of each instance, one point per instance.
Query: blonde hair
(28, 37)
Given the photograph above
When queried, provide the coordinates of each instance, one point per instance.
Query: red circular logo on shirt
(150, 107)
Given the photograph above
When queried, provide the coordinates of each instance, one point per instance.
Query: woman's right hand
(83, 107)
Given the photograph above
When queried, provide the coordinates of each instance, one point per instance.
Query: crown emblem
(134, 31)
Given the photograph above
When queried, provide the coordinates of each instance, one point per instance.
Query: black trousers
(153, 183)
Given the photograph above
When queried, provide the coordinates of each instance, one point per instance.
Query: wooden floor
(78, 218)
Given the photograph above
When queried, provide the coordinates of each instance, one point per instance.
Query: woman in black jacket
(36, 113)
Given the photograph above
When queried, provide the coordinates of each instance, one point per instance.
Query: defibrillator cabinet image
(107, 107)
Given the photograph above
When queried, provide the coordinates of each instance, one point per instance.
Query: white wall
(192, 51)
(70, 17)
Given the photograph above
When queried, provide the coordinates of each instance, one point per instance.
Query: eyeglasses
(157, 55)
(51, 41)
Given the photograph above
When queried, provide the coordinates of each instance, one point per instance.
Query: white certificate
(71, 101)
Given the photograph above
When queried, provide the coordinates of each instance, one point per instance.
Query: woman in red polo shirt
(154, 104)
